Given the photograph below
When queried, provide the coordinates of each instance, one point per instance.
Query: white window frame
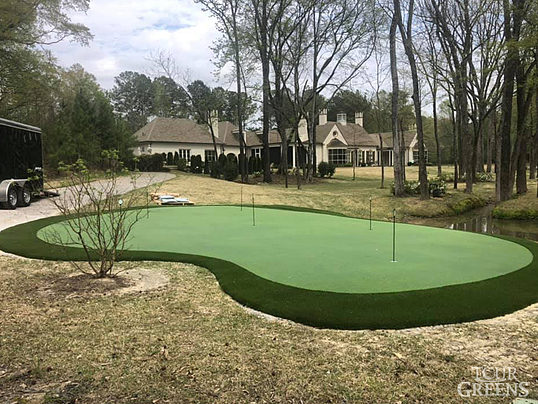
(185, 154)
(212, 153)
(341, 156)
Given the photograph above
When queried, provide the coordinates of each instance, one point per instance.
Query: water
(481, 221)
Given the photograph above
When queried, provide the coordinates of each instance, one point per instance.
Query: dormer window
(341, 118)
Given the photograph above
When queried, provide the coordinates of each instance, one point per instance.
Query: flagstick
(253, 214)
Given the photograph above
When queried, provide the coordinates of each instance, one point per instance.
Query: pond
(481, 221)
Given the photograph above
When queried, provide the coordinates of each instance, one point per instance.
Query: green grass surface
(325, 252)
(440, 305)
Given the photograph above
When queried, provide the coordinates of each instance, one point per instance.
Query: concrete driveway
(44, 207)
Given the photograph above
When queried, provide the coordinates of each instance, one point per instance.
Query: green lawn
(326, 252)
(297, 277)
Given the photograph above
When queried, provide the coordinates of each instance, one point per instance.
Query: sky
(127, 31)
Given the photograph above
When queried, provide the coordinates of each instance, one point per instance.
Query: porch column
(293, 157)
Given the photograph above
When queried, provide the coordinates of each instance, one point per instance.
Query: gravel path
(44, 207)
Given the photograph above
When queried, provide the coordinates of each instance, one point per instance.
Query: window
(370, 157)
(415, 156)
(210, 155)
(142, 149)
(185, 154)
(257, 152)
(335, 133)
(338, 157)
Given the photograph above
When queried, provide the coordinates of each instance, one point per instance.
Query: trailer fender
(6, 185)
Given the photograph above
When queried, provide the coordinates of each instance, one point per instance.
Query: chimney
(214, 122)
(341, 118)
(323, 117)
(359, 118)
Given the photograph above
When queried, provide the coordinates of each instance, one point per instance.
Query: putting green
(326, 252)
(324, 269)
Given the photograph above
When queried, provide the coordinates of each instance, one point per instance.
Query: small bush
(243, 160)
(206, 167)
(231, 171)
(465, 205)
(251, 165)
(176, 158)
(411, 187)
(484, 177)
(326, 169)
(437, 187)
(196, 164)
(222, 160)
(146, 162)
(215, 169)
(170, 159)
(182, 165)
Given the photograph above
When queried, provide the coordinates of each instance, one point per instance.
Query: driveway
(44, 207)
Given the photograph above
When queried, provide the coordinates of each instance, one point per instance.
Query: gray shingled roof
(387, 138)
(354, 134)
(174, 130)
(188, 131)
(336, 143)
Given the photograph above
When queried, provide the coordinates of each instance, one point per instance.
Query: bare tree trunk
(511, 63)
(480, 152)
(498, 159)
(490, 141)
(382, 162)
(399, 188)
(242, 148)
(534, 141)
(436, 133)
(284, 164)
(266, 114)
(521, 182)
(297, 159)
(409, 50)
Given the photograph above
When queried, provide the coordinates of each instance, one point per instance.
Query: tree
(28, 74)
(406, 33)
(228, 14)
(397, 138)
(84, 123)
(132, 96)
(169, 100)
(29, 23)
(96, 217)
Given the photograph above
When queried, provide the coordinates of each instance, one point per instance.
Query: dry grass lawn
(190, 343)
(339, 194)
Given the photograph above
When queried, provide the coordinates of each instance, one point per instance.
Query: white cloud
(126, 31)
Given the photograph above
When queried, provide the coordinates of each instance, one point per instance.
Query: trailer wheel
(24, 197)
(12, 198)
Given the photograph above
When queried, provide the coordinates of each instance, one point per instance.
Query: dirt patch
(136, 280)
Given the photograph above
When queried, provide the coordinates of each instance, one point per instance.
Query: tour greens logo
(494, 382)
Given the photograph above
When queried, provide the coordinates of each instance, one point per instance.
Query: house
(339, 142)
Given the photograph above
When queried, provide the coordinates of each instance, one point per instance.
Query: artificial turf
(486, 298)
(324, 252)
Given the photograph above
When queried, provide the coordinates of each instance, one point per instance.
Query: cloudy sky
(127, 31)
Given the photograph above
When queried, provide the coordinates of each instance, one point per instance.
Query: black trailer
(21, 163)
